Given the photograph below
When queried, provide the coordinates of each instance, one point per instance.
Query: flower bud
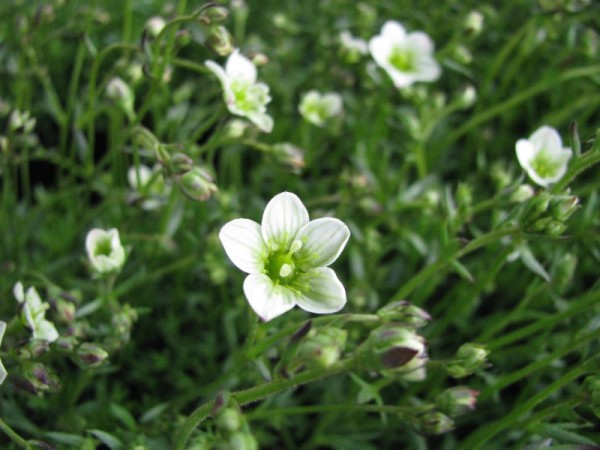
(197, 184)
(322, 347)
(473, 23)
(523, 193)
(123, 320)
(467, 97)
(469, 358)
(290, 155)
(405, 313)
(235, 128)
(229, 419)
(21, 121)
(242, 440)
(180, 163)
(155, 25)
(212, 14)
(536, 207)
(120, 92)
(549, 226)
(91, 355)
(563, 206)
(144, 138)
(40, 379)
(66, 310)
(457, 400)
(435, 422)
(220, 40)
(395, 350)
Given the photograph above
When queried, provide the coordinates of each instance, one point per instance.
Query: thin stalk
(443, 262)
(257, 393)
(344, 408)
(13, 435)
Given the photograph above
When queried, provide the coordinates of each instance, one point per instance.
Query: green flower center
(402, 59)
(248, 97)
(103, 247)
(544, 165)
(281, 267)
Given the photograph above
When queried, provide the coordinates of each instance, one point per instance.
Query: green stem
(443, 262)
(13, 435)
(584, 162)
(257, 393)
(352, 407)
(483, 434)
(522, 97)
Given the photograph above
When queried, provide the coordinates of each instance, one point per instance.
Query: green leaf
(532, 263)
(107, 439)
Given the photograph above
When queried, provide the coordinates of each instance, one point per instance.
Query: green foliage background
(415, 174)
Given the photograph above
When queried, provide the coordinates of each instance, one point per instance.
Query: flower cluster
(286, 258)
(33, 313)
(242, 94)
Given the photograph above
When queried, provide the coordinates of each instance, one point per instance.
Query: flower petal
(267, 299)
(546, 139)
(283, 217)
(239, 67)
(322, 292)
(393, 31)
(218, 71)
(244, 244)
(261, 120)
(322, 241)
(45, 330)
(19, 292)
(420, 43)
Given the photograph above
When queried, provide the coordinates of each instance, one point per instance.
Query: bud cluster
(469, 358)
(547, 213)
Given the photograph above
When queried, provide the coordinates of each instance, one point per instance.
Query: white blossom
(33, 313)
(543, 157)
(242, 94)
(318, 108)
(287, 258)
(406, 57)
(104, 249)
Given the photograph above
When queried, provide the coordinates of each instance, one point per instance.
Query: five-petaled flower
(318, 108)
(33, 313)
(543, 157)
(286, 258)
(406, 57)
(242, 94)
(105, 252)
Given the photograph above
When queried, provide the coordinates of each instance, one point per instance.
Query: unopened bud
(536, 207)
(563, 206)
(549, 226)
(435, 422)
(220, 40)
(473, 23)
(242, 440)
(457, 400)
(91, 355)
(120, 92)
(197, 184)
(322, 347)
(469, 358)
(123, 320)
(289, 154)
(395, 350)
(462, 55)
(405, 313)
(523, 193)
(40, 379)
(180, 163)
(144, 138)
(229, 419)
(155, 25)
(65, 310)
(213, 13)
(467, 97)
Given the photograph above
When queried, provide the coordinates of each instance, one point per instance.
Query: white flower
(104, 249)
(353, 47)
(543, 157)
(242, 94)
(287, 257)
(2, 369)
(406, 57)
(33, 313)
(318, 108)
(150, 184)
